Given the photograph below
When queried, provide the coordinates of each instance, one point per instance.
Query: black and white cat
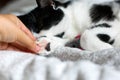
(57, 22)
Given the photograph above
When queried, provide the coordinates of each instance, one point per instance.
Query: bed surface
(62, 64)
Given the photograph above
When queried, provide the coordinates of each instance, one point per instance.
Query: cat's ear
(44, 3)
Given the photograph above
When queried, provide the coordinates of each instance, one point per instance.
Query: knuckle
(11, 15)
(2, 17)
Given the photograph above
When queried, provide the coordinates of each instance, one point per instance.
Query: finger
(3, 46)
(16, 21)
(25, 29)
(12, 48)
(20, 36)
(19, 46)
(6, 46)
(27, 42)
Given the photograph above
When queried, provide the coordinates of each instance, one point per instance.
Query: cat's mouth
(75, 43)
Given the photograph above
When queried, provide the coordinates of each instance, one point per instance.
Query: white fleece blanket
(67, 65)
(62, 64)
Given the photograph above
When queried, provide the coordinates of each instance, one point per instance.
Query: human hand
(15, 36)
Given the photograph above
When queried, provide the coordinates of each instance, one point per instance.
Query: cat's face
(48, 13)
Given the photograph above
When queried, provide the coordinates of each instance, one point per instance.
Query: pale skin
(15, 36)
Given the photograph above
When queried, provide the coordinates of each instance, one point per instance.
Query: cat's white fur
(77, 21)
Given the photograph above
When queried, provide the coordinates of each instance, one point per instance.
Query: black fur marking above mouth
(60, 35)
(105, 25)
(99, 12)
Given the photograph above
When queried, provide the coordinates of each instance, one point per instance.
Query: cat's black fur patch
(30, 22)
(48, 47)
(99, 12)
(105, 25)
(62, 4)
(111, 42)
(42, 18)
(105, 38)
(60, 35)
(117, 1)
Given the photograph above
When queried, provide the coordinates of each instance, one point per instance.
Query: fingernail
(37, 48)
(33, 38)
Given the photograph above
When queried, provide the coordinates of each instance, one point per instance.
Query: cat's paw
(44, 44)
(49, 44)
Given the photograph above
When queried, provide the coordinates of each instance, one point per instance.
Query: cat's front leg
(90, 41)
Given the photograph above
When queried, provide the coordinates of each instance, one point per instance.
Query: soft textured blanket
(62, 64)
